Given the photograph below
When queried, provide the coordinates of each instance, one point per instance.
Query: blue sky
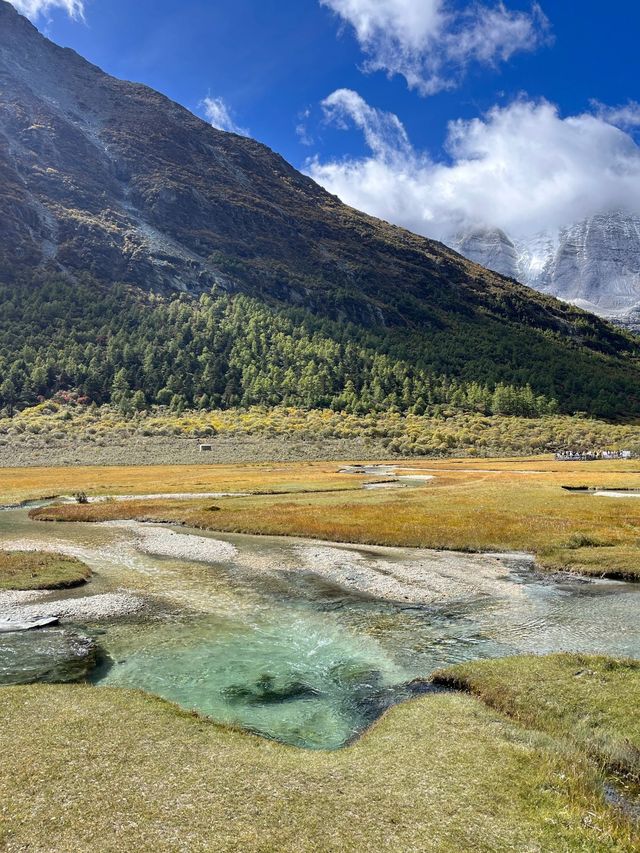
(271, 64)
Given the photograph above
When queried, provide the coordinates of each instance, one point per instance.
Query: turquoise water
(300, 679)
(294, 656)
(313, 666)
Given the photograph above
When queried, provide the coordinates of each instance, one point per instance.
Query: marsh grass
(621, 562)
(40, 570)
(589, 700)
(105, 769)
(20, 484)
(470, 505)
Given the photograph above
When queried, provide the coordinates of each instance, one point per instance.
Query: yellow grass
(473, 505)
(89, 769)
(40, 570)
(589, 699)
(19, 484)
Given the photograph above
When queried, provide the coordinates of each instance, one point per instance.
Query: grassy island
(40, 570)
(467, 505)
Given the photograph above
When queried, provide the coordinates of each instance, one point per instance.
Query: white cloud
(35, 8)
(384, 133)
(302, 128)
(523, 168)
(431, 44)
(219, 115)
(625, 116)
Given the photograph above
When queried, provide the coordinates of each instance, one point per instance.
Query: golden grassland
(108, 769)
(20, 484)
(41, 570)
(104, 769)
(516, 761)
(470, 505)
(591, 700)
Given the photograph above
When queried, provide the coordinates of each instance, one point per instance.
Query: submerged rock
(51, 655)
(267, 691)
(10, 626)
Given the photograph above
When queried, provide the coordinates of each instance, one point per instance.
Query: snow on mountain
(594, 264)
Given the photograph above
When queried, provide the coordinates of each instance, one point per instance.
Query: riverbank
(441, 773)
(388, 574)
(22, 607)
(593, 701)
(500, 768)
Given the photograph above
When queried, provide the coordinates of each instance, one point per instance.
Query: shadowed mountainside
(110, 180)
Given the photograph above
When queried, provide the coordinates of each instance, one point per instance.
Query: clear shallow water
(301, 679)
(263, 642)
(52, 655)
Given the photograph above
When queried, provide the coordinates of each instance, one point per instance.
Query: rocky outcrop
(594, 264)
(50, 656)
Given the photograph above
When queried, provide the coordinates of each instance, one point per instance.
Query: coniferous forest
(136, 350)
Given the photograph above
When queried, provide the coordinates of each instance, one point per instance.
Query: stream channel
(305, 642)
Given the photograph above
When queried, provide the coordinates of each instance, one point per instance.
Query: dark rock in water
(266, 691)
(51, 655)
(420, 686)
(351, 673)
(9, 627)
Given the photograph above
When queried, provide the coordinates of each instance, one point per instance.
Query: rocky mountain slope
(594, 264)
(104, 181)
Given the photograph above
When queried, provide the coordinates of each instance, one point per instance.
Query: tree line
(137, 350)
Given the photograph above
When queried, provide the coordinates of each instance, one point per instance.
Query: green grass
(592, 701)
(613, 561)
(88, 768)
(40, 570)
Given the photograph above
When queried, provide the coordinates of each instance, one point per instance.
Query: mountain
(106, 184)
(594, 264)
(491, 248)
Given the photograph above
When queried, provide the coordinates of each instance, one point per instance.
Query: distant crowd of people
(591, 455)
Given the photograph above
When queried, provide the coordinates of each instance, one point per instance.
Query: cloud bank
(523, 168)
(33, 9)
(431, 44)
(219, 116)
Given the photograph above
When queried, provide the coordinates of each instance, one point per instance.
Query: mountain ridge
(114, 186)
(594, 263)
(111, 181)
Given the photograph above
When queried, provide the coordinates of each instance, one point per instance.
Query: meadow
(446, 772)
(40, 570)
(469, 505)
(525, 753)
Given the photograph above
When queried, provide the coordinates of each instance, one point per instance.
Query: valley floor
(458, 505)
(110, 770)
(536, 754)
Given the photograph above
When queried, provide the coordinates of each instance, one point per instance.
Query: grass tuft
(591, 701)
